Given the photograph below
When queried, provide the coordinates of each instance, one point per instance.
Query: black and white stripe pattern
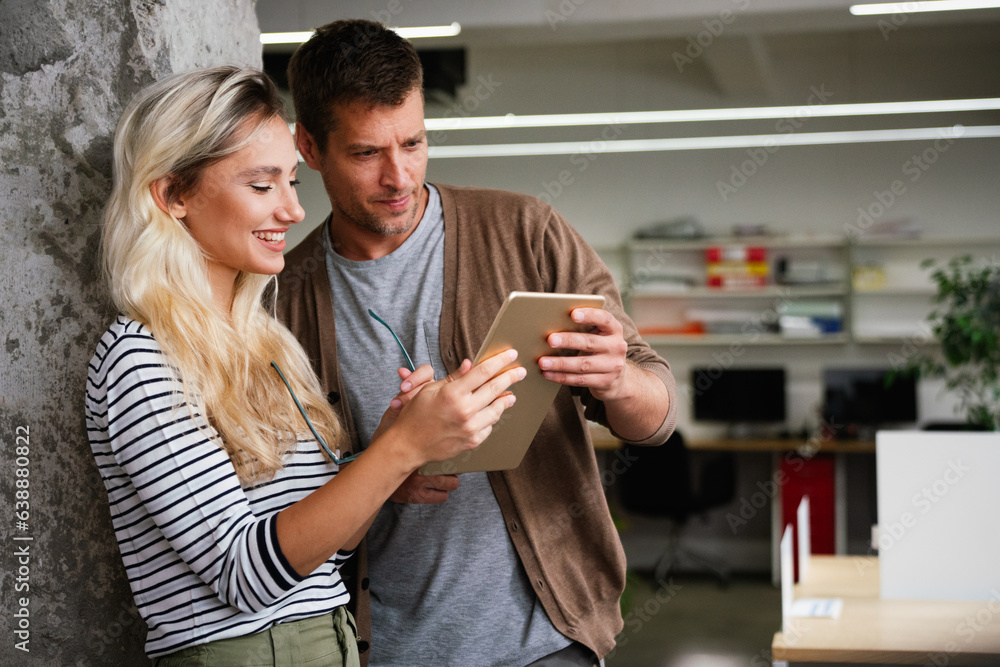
(201, 552)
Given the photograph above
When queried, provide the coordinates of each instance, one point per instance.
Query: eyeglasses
(302, 411)
(409, 362)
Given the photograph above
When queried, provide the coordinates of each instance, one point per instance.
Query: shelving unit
(665, 284)
(667, 291)
(758, 292)
(726, 340)
(896, 311)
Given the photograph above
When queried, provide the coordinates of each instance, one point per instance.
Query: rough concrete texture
(67, 68)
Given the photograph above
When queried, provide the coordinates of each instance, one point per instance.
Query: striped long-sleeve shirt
(200, 551)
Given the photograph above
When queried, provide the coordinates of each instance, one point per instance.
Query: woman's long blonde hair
(158, 273)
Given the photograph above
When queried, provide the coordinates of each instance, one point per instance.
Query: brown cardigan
(553, 503)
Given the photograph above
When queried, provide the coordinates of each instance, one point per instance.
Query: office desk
(804, 448)
(788, 449)
(779, 449)
(872, 630)
(604, 440)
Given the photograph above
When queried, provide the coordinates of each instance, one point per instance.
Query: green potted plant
(966, 323)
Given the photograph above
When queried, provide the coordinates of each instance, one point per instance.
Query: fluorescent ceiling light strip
(429, 31)
(699, 115)
(405, 33)
(285, 37)
(923, 6)
(703, 143)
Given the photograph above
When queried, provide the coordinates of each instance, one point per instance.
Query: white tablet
(524, 323)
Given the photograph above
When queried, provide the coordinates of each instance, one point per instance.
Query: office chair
(663, 482)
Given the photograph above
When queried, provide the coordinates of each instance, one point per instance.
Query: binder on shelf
(735, 254)
(737, 275)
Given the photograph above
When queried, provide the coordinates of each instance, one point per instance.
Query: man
(521, 567)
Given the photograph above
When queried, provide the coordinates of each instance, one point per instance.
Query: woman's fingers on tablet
(484, 371)
(485, 406)
(474, 397)
(499, 385)
(489, 416)
(485, 433)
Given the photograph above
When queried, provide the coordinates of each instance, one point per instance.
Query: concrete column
(67, 69)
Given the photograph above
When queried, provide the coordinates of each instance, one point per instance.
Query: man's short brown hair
(350, 61)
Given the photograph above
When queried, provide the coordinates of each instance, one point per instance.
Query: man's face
(374, 166)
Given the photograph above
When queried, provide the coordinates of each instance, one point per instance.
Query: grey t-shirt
(447, 587)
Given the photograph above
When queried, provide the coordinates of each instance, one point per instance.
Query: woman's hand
(410, 384)
(439, 420)
(427, 421)
(417, 488)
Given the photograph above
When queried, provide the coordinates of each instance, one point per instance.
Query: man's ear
(307, 146)
(158, 189)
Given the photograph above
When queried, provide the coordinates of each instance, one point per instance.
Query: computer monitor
(738, 395)
(867, 397)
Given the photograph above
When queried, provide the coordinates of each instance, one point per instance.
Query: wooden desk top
(886, 631)
(603, 440)
(840, 577)
(786, 445)
(602, 437)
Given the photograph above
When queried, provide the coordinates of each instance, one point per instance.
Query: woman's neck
(222, 281)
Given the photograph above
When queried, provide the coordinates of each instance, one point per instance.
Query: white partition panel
(939, 515)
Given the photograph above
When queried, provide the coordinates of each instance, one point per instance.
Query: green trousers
(330, 639)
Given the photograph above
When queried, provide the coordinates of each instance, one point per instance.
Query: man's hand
(600, 365)
(425, 489)
(635, 400)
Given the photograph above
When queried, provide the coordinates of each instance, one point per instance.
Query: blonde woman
(232, 512)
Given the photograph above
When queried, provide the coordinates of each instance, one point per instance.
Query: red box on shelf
(735, 254)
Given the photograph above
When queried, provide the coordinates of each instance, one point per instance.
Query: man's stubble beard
(382, 226)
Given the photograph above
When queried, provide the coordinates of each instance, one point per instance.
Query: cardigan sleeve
(569, 264)
(180, 478)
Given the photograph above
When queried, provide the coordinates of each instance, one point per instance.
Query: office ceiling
(760, 50)
(601, 20)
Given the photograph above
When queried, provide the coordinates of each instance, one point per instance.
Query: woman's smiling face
(243, 205)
